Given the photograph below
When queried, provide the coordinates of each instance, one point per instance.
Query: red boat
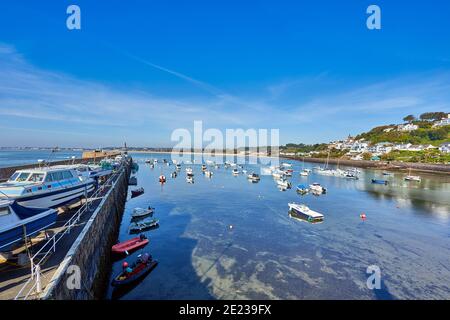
(130, 245)
(137, 192)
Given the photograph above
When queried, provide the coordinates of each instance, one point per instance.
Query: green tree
(409, 118)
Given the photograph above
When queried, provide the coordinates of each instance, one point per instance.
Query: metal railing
(50, 246)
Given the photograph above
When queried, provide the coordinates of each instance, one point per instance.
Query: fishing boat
(143, 265)
(305, 213)
(379, 181)
(49, 187)
(316, 187)
(283, 183)
(137, 192)
(140, 226)
(253, 177)
(302, 189)
(141, 212)
(15, 220)
(130, 245)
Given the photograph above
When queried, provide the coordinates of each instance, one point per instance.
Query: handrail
(65, 229)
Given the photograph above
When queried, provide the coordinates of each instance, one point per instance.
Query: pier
(80, 241)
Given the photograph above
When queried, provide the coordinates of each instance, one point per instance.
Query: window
(36, 177)
(48, 178)
(14, 176)
(4, 211)
(67, 175)
(23, 176)
(57, 176)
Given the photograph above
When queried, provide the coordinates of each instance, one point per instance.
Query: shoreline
(430, 168)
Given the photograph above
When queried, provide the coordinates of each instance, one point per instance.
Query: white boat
(141, 212)
(235, 172)
(49, 187)
(189, 170)
(88, 170)
(316, 187)
(244, 171)
(304, 173)
(16, 219)
(286, 165)
(304, 212)
(208, 173)
(178, 166)
(278, 174)
(253, 177)
(283, 183)
(190, 179)
(287, 173)
(413, 178)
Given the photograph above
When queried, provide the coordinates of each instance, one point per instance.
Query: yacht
(16, 219)
(48, 187)
(303, 212)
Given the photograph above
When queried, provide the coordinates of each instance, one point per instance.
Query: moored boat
(130, 245)
(141, 212)
(379, 181)
(137, 192)
(49, 187)
(253, 177)
(16, 219)
(140, 226)
(305, 213)
(136, 271)
(316, 187)
(302, 189)
(283, 183)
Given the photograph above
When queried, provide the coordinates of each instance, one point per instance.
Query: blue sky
(137, 70)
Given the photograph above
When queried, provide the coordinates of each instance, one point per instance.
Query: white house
(407, 127)
(445, 147)
(359, 147)
(443, 122)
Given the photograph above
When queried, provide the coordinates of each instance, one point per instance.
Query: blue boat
(379, 181)
(302, 189)
(15, 220)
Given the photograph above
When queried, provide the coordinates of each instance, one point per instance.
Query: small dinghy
(137, 192)
(379, 181)
(130, 245)
(140, 226)
(136, 271)
(141, 212)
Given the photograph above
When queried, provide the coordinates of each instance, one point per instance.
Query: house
(445, 147)
(402, 146)
(359, 147)
(380, 148)
(443, 122)
(407, 127)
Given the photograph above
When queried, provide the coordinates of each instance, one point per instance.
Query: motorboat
(235, 172)
(413, 178)
(141, 212)
(89, 170)
(48, 187)
(178, 166)
(253, 177)
(190, 178)
(302, 189)
(203, 167)
(288, 173)
(130, 245)
(305, 213)
(283, 183)
(278, 174)
(130, 274)
(379, 181)
(140, 226)
(351, 175)
(137, 192)
(17, 220)
(316, 187)
(304, 173)
(189, 170)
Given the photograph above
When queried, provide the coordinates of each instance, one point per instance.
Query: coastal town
(400, 142)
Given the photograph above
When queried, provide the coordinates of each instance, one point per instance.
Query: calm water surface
(10, 158)
(268, 255)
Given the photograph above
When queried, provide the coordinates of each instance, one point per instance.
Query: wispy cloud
(309, 109)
